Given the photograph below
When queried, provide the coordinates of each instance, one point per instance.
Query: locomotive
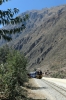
(35, 74)
(39, 74)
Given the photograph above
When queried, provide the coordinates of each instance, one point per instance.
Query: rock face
(44, 39)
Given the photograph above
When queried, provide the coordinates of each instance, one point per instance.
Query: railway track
(59, 89)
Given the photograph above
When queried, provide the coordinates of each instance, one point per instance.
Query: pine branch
(6, 17)
(2, 1)
(4, 33)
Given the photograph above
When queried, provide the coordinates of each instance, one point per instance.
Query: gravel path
(48, 91)
(60, 82)
(34, 90)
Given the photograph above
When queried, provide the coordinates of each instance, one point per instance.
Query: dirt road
(49, 88)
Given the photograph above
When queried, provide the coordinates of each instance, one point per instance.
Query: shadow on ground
(36, 88)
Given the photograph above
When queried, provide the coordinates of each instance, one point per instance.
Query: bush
(13, 74)
(58, 75)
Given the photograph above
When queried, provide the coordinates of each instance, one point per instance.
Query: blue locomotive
(35, 74)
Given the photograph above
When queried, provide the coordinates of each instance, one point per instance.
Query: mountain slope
(44, 39)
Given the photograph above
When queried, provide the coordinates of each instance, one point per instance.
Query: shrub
(13, 74)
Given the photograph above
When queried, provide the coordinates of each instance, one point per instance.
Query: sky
(25, 5)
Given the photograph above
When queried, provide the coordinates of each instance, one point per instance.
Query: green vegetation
(7, 17)
(13, 74)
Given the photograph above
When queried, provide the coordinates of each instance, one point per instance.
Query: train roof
(32, 72)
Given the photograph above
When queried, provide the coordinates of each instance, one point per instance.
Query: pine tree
(6, 18)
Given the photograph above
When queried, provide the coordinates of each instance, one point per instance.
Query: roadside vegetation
(13, 64)
(59, 74)
(13, 74)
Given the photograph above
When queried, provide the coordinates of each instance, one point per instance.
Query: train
(35, 74)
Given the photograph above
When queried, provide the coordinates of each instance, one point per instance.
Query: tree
(3, 53)
(7, 17)
(17, 73)
(13, 74)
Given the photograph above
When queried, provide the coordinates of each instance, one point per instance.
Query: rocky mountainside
(44, 39)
